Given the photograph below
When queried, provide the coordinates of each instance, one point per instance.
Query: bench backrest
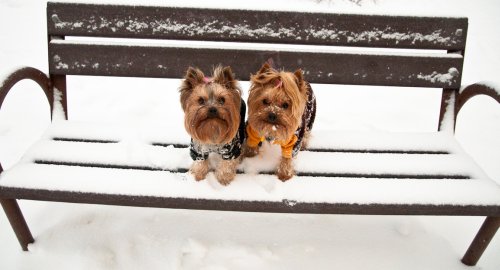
(302, 32)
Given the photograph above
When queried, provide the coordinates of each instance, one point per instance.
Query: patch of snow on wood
(7, 72)
(58, 113)
(387, 34)
(448, 122)
(59, 64)
(435, 77)
(495, 86)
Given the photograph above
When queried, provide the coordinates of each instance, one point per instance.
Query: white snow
(448, 121)
(6, 72)
(105, 237)
(495, 86)
(491, 84)
(249, 187)
(132, 149)
(58, 110)
(389, 34)
(439, 77)
(367, 7)
(137, 25)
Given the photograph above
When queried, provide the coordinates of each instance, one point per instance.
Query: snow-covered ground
(105, 237)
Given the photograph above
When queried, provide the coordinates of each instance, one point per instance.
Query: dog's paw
(285, 169)
(199, 169)
(226, 171)
(284, 175)
(225, 178)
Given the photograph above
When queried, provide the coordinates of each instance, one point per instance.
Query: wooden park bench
(363, 173)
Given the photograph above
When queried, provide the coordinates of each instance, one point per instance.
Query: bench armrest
(26, 73)
(476, 89)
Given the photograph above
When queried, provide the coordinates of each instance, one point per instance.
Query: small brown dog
(281, 110)
(214, 116)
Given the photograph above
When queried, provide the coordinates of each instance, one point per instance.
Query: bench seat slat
(368, 150)
(147, 186)
(66, 19)
(161, 158)
(322, 139)
(284, 206)
(370, 175)
(249, 192)
(134, 148)
(81, 58)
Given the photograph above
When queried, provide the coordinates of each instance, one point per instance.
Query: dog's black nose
(272, 117)
(212, 112)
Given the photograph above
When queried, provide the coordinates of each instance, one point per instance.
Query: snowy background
(105, 237)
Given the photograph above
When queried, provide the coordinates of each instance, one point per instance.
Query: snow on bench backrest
(132, 47)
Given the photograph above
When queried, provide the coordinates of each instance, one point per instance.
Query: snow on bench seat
(79, 161)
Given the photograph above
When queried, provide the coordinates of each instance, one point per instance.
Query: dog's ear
(193, 77)
(225, 77)
(265, 68)
(299, 78)
(260, 75)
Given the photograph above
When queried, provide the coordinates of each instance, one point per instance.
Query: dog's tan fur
(197, 97)
(199, 169)
(284, 94)
(293, 92)
(285, 169)
(226, 171)
(217, 130)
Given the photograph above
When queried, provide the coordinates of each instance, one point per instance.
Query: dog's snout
(212, 112)
(272, 117)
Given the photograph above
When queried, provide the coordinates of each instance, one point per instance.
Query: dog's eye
(221, 101)
(265, 101)
(284, 105)
(201, 101)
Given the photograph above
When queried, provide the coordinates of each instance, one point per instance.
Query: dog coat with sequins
(227, 151)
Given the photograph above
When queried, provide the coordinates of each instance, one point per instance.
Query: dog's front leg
(199, 169)
(285, 169)
(226, 171)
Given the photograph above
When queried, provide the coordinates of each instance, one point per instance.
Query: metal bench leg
(17, 222)
(481, 241)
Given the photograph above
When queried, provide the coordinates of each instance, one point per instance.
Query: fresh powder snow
(104, 237)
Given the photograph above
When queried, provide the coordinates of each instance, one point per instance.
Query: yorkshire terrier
(281, 110)
(214, 116)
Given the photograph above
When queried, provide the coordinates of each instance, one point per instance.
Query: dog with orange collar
(281, 110)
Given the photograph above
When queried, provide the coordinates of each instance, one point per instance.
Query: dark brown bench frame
(90, 20)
